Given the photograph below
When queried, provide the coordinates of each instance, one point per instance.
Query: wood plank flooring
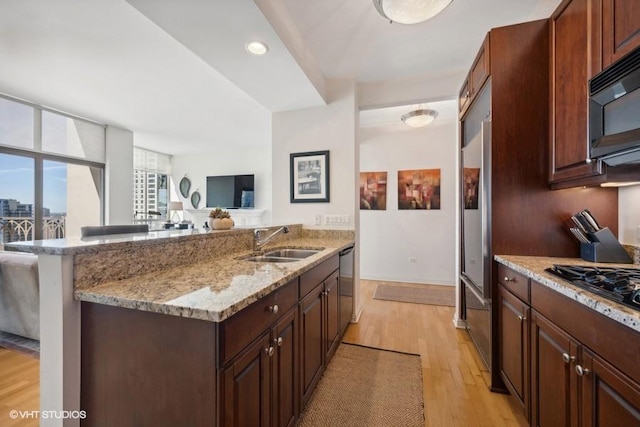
(19, 387)
(455, 380)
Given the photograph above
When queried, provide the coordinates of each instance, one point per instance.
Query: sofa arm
(19, 294)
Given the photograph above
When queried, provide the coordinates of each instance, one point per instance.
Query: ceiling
(176, 73)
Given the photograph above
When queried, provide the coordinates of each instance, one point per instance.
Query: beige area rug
(367, 387)
(427, 295)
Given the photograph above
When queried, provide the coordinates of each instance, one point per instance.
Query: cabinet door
(609, 398)
(245, 385)
(332, 302)
(575, 57)
(620, 29)
(553, 379)
(311, 341)
(285, 370)
(481, 68)
(514, 345)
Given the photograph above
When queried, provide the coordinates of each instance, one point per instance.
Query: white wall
(119, 176)
(389, 238)
(629, 214)
(226, 161)
(331, 127)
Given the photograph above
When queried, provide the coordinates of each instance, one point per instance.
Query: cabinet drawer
(311, 278)
(240, 329)
(515, 282)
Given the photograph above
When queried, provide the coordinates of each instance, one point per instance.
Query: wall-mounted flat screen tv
(230, 191)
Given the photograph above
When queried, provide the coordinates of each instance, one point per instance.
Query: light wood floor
(19, 387)
(455, 380)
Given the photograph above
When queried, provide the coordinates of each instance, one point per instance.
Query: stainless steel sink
(282, 255)
(292, 253)
(265, 258)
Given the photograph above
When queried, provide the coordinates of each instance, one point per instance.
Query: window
(51, 181)
(151, 173)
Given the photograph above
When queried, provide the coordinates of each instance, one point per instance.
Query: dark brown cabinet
(572, 385)
(513, 331)
(311, 348)
(583, 365)
(566, 364)
(609, 398)
(285, 370)
(320, 332)
(256, 368)
(575, 57)
(245, 398)
(553, 382)
(258, 387)
(620, 29)
(478, 75)
(586, 36)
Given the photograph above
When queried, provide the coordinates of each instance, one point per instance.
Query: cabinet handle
(468, 94)
(274, 308)
(522, 318)
(582, 371)
(278, 341)
(567, 358)
(507, 280)
(269, 351)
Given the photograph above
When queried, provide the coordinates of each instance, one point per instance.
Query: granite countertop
(79, 245)
(534, 268)
(211, 290)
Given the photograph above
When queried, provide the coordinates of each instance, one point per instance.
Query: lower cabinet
(566, 364)
(320, 332)
(553, 382)
(609, 398)
(514, 345)
(574, 386)
(259, 387)
(245, 398)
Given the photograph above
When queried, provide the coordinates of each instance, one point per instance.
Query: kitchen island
(153, 321)
(567, 355)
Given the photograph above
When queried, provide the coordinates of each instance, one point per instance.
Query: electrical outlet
(317, 220)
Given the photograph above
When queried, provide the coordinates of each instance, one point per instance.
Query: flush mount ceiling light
(419, 118)
(410, 11)
(257, 48)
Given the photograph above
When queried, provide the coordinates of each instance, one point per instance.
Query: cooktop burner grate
(617, 284)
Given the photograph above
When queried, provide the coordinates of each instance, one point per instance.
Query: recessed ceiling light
(257, 48)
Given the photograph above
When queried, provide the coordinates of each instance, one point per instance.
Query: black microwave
(614, 112)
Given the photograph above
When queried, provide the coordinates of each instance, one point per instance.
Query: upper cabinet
(620, 29)
(586, 36)
(575, 58)
(478, 74)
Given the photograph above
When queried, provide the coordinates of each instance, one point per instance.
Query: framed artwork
(309, 177)
(419, 189)
(373, 191)
(471, 177)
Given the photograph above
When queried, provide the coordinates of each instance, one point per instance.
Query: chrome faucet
(259, 241)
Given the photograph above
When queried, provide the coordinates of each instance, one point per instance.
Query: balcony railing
(19, 229)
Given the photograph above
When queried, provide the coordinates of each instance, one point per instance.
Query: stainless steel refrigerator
(476, 224)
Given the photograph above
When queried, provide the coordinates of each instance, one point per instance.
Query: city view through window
(50, 181)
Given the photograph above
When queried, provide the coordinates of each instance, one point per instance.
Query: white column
(59, 340)
(119, 176)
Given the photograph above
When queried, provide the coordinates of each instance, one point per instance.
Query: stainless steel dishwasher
(346, 287)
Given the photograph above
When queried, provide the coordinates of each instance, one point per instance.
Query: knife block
(604, 247)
